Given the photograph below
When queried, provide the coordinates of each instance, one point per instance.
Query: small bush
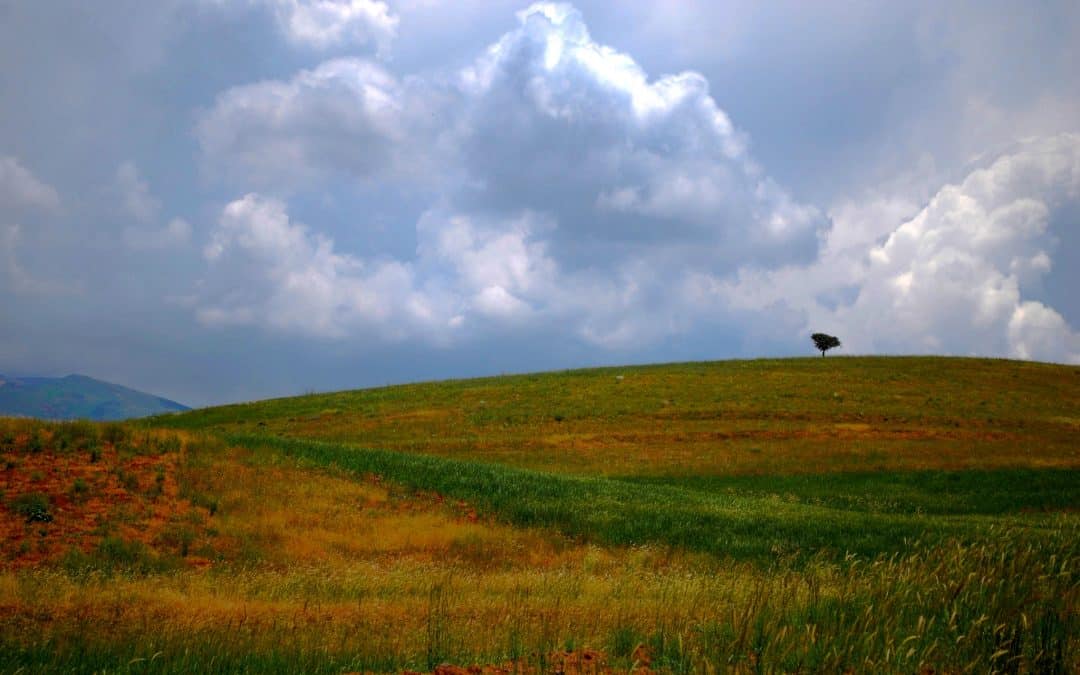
(79, 488)
(180, 538)
(34, 506)
(159, 482)
(115, 433)
(36, 443)
(167, 444)
(76, 435)
(206, 501)
(117, 556)
(129, 480)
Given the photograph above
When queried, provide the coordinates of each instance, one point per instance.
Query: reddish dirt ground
(132, 497)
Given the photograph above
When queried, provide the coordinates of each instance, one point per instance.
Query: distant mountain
(77, 396)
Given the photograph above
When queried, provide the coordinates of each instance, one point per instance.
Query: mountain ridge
(76, 396)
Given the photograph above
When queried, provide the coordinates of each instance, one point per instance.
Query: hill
(798, 515)
(78, 397)
(770, 416)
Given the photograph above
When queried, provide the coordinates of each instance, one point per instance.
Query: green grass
(973, 492)
(772, 417)
(734, 521)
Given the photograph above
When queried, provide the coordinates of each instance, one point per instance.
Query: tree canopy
(824, 342)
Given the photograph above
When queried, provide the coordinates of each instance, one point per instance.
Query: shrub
(115, 433)
(78, 434)
(166, 444)
(34, 506)
(80, 487)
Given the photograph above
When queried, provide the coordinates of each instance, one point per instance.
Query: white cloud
(573, 189)
(347, 117)
(955, 277)
(327, 24)
(498, 269)
(20, 189)
(268, 270)
(322, 24)
(559, 123)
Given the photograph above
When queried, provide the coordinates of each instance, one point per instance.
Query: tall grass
(997, 606)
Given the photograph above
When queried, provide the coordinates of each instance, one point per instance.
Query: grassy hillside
(77, 397)
(725, 418)
(866, 515)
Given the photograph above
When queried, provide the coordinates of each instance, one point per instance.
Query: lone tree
(824, 342)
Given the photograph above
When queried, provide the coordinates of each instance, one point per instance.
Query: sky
(222, 200)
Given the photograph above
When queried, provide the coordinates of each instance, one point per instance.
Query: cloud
(571, 188)
(326, 24)
(139, 203)
(322, 24)
(495, 269)
(346, 117)
(20, 189)
(23, 195)
(135, 193)
(558, 123)
(21, 281)
(568, 185)
(955, 278)
(271, 271)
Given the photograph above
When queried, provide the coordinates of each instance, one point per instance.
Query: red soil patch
(130, 497)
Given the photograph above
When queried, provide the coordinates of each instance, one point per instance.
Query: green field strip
(616, 512)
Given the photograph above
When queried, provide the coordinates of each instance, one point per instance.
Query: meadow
(798, 515)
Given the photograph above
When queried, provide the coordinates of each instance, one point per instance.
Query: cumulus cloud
(957, 276)
(499, 270)
(269, 270)
(557, 122)
(569, 184)
(322, 24)
(345, 117)
(573, 189)
(327, 24)
(545, 120)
